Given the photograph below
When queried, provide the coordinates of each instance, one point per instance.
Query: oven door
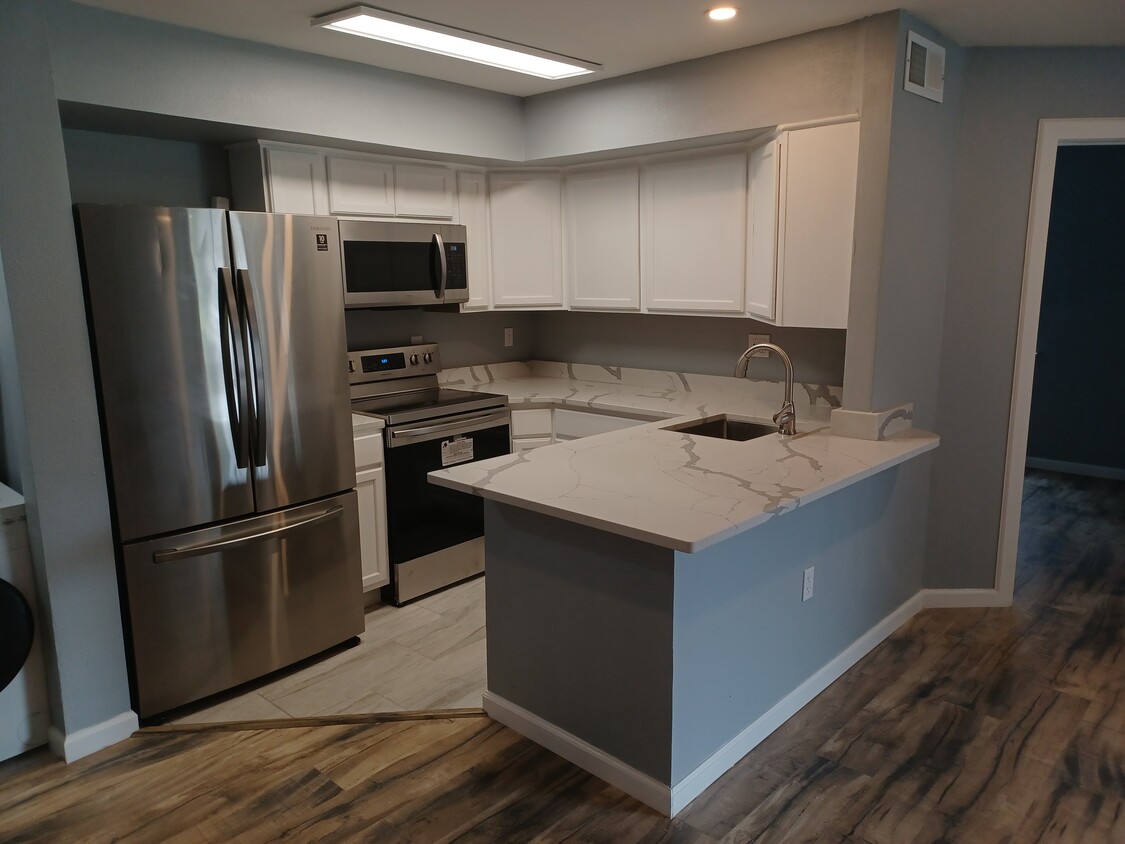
(435, 536)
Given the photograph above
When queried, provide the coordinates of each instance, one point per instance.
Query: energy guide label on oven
(457, 450)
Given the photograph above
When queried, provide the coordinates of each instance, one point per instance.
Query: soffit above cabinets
(624, 36)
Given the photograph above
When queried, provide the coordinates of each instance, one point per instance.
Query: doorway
(1053, 134)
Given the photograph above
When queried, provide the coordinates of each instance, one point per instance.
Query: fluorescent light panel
(447, 41)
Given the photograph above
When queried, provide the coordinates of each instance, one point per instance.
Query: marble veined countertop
(675, 490)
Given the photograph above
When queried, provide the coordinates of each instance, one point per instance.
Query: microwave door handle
(257, 374)
(438, 245)
(234, 366)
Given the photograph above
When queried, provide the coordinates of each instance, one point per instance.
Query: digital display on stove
(383, 363)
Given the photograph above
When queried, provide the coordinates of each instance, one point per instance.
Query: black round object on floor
(17, 628)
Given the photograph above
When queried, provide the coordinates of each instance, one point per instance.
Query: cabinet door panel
(297, 182)
(603, 239)
(815, 232)
(423, 190)
(694, 233)
(525, 219)
(370, 489)
(761, 236)
(472, 213)
(360, 186)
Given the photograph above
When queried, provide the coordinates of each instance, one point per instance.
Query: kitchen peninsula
(644, 606)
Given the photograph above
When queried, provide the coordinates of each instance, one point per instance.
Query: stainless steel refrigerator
(219, 350)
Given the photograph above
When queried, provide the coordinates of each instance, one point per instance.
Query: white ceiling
(625, 36)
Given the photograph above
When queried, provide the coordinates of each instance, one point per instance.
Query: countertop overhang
(679, 491)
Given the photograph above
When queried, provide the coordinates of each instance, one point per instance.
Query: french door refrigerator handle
(234, 366)
(438, 245)
(258, 375)
(171, 554)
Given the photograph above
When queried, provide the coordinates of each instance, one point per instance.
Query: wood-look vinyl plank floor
(973, 725)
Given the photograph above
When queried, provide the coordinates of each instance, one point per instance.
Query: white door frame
(1052, 135)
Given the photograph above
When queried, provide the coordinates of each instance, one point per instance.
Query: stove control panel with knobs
(393, 362)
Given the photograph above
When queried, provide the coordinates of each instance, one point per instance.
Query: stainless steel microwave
(392, 264)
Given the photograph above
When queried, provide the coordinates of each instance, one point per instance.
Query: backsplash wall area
(706, 345)
(466, 339)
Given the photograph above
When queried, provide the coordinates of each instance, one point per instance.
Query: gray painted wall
(466, 339)
(743, 639)
(802, 78)
(1081, 357)
(1006, 93)
(580, 632)
(707, 345)
(64, 478)
(183, 73)
(111, 168)
(660, 658)
(916, 237)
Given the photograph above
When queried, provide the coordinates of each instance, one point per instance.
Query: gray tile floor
(428, 655)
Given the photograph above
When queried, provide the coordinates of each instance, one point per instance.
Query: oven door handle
(465, 424)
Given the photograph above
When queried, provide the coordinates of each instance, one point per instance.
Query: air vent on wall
(925, 67)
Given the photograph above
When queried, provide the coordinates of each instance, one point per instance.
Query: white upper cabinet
(525, 223)
(693, 231)
(761, 234)
(603, 239)
(296, 183)
(812, 217)
(424, 190)
(472, 213)
(361, 186)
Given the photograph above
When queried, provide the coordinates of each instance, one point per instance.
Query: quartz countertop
(363, 424)
(675, 490)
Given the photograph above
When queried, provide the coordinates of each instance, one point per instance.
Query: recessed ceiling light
(722, 13)
(447, 41)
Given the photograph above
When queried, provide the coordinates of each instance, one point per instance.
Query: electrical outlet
(807, 584)
(416, 339)
(754, 339)
(507, 337)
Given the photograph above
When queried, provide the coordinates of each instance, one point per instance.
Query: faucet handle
(786, 419)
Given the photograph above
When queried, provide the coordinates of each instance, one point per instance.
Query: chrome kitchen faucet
(786, 418)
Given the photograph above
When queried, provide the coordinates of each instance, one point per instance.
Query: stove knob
(428, 357)
(414, 360)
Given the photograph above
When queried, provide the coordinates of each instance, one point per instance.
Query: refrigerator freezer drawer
(212, 608)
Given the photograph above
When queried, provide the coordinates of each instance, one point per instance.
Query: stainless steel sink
(723, 428)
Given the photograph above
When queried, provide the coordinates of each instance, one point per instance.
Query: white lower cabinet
(531, 428)
(534, 427)
(575, 424)
(371, 492)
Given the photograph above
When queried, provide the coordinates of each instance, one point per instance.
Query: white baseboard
(946, 598)
(73, 746)
(648, 790)
(1090, 471)
(726, 756)
(670, 800)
